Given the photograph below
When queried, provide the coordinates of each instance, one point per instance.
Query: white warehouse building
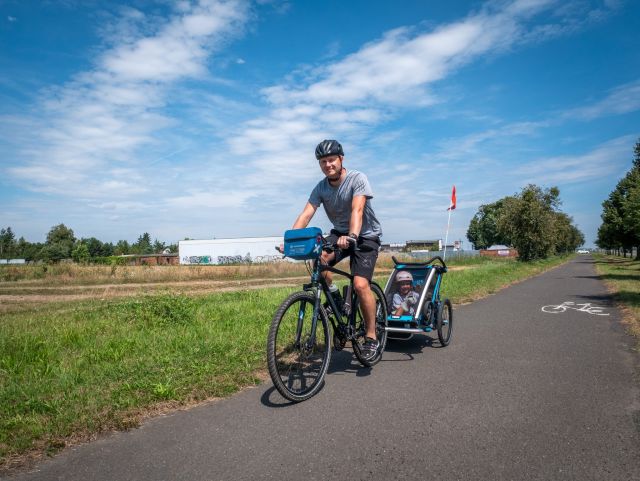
(229, 251)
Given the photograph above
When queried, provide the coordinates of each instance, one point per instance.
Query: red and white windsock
(453, 199)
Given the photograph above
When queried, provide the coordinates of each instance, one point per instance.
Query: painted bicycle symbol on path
(584, 307)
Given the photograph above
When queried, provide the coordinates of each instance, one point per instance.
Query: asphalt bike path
(519, 394)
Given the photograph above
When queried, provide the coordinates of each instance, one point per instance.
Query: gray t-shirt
(337, 203)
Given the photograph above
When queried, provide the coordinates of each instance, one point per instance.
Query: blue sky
(199, 118)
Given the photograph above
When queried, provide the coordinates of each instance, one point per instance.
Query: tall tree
(80, 252)
(528, 220)
(107, 249)
(27, 250)
(483, 229)
(122, 248)
(60, 234)
(567, 236)
(7, 243)
(59, 243)
(143, 245)
(94, 246)
(158, 246)
(620, 227)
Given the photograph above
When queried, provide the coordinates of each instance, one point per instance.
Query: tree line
(61, 243)
(530, 221)
(620, 228)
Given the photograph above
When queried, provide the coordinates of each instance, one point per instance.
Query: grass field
(622, 276)
(70, 370)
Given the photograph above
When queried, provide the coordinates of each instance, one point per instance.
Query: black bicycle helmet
(328, 147)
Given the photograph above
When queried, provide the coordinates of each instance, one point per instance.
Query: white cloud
(621, 100)
(11, 19)
(208, 200)
(397, 71)
(105, 117)
(598, 163)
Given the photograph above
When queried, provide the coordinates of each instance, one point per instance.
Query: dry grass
(24, 288)
(69, 274)
(77, 274)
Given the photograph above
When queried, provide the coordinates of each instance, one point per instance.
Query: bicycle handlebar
(332, 246)
(328, 246)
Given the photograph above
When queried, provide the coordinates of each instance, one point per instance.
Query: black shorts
(363, 261)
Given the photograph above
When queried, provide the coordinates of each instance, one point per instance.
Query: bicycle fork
(314, 322)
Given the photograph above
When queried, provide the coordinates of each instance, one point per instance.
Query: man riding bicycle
(346, 197)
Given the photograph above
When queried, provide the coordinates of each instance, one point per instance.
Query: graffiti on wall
(264, 259)
(196, 260)
(226, 260)
(232, 260)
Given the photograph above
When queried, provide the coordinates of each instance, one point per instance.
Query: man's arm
(357, 211)
(305, 217)
(355, 222)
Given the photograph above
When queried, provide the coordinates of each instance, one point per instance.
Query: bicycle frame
(319, 285)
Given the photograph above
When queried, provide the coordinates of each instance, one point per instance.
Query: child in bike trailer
(405, 299)
(346, 197)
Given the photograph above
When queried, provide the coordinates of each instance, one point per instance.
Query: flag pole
(452, 206)
(446, 237)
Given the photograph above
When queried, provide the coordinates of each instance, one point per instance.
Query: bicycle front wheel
(381, 329)
(298, 355)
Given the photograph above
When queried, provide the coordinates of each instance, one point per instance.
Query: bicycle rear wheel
(297, 357)
(381, 331)
(444, 322)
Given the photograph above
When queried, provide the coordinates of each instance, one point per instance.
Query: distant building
(242, 250)
(392, 247)
(13, 261)
(152, 259)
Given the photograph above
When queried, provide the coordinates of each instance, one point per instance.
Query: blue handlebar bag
(303, 244)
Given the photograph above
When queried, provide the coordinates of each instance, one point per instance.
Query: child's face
(405, 287)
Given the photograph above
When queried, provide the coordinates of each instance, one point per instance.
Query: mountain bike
(300, 339)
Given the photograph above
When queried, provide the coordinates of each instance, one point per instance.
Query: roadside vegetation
(619, 232)
(622, 277)
(530, 221)
(61, 243)
(75, 369)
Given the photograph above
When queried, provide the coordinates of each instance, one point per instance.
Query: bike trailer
(413, 310)
(301, 244)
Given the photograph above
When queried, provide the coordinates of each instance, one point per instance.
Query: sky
(199, 119)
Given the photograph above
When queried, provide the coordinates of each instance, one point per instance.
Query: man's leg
(368, 303)
(362, 268)
(326, 258)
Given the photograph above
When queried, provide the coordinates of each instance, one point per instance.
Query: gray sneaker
(369, 347)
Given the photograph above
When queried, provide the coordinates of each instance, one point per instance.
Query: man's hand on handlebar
(344, 241)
